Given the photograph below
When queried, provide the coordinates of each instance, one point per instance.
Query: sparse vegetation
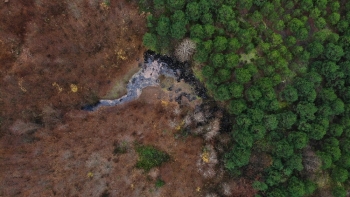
(120, 148)
(150, 157)
(159, 183)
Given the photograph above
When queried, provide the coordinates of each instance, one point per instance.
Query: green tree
(222, 93)
(331, 146)
(256, 17)
(306, 110)
(163, 26)
(344, 161)
(245, 4)
(259, 131)
(232, 26)
(218, 60)
(342, 26)
(295, 25)
(289, 94)
(209, 30)
(225, 14)
(337, 106)
(306, 91)
(316, 131)
(315, 13)
(237, 106)
(273, 177)
(242, 75)
(326, 159)
(193, 11)
(243, 121)
(279, 25)
(320, 23)
(197, 32)
(298, 139)
(243, 138)
(233, 44)
(256, 114)
(208, 71)
(335, 130)
(283, 149)
(291, 40)
(236, 90)
(296, 187)
(306, 5)
(333, 37)
(327, 95)
(150, 41)
(287, 119)
(315, 48)
(204, 6)
(177, 30)
(253, 93)
(237, 157)
(224, 74)
(271, 122)
(232, 60)
(175, 4)
(321, 4)
(179, 17)
(201, 54)
(339, 174)
(260, 186)
(267, 9)
(310, 187)
(339, 191)
(333, 52)
(207, 18)
(295, 162)
(334, 6)
(345, 94)
(158, 4)
(334, 18)
(220, 43)
(321, 36)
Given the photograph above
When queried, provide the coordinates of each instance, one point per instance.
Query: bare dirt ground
(76, 158)
(48, 48)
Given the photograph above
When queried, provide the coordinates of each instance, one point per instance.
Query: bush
(150, 157)
(159, 183)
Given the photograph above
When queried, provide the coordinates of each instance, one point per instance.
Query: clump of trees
(282, 69)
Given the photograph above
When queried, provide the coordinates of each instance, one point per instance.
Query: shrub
(150, 157)
(159, 183)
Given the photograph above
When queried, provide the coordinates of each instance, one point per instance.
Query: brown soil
(46, 47)
(76, 158)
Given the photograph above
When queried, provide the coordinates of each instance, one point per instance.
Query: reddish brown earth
(76, 158)
(47, 46)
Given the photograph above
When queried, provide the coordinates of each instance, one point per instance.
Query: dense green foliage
(150, 157)
(282, 68)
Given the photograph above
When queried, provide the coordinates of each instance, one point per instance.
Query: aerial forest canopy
(282, 69)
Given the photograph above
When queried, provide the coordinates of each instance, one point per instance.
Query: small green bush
(150, 157)
(159, 183)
